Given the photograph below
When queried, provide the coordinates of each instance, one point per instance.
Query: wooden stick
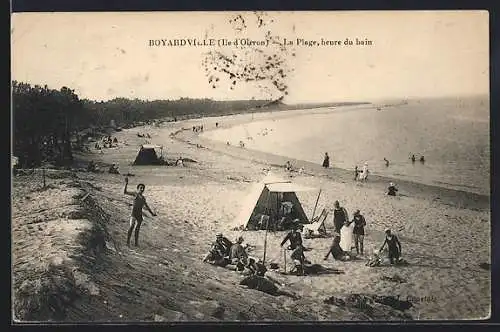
(284, 254)
(315, 205)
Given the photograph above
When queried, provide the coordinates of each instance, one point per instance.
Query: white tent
(268, 198)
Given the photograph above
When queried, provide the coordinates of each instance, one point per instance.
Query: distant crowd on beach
(362, 174)
(106, 142)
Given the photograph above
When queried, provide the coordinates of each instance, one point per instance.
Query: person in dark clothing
(294, 237)
(339, 216)
(299, 259)
(136, 217)
(386, 162)
(412, 158)
(336, 250)
(356, 172)
(256, 267)
(113, 169)
(393, 245)
(326, 160)
(359, 231)
(219, 250)
(422, 159)
(224, 242)
(391, 190)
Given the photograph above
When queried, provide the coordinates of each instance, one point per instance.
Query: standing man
(294, 237)
(359, 231)
(136, 217)
(339, 217)
(393, 245)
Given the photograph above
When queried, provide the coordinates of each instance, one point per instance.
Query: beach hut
(148, 155)
(269, 203)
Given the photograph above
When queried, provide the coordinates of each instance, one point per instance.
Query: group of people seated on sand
(106, 142)
(234, 256)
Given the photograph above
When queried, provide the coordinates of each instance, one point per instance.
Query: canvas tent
(148, 155)
(273, 200)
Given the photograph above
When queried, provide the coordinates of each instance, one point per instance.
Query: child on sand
(136, 217)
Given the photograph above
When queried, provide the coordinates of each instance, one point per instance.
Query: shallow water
(452, 134)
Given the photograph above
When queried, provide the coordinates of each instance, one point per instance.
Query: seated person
(391, 190)
(237, 253)
(256, 267)
(113, 169)
(216, 256)
(219, 250)
(337, 251)
(92, 167)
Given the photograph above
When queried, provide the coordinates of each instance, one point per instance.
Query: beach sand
(445, 236)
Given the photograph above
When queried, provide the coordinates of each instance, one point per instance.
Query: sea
(453, 135)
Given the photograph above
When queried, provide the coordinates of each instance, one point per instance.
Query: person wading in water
(326, 160)
(136, 217)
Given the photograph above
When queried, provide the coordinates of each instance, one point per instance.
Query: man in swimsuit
(136, 217)
(393, 245)
(359, 231)
(340, 216)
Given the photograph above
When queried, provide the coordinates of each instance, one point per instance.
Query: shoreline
(446, 195)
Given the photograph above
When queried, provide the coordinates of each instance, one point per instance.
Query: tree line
(47, 122)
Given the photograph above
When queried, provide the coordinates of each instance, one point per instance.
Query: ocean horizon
(453, 135)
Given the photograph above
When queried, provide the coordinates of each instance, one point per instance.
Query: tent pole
(315, 205)
(265, 242)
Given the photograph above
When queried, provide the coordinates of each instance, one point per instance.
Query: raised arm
(125, 191)
(285, 239)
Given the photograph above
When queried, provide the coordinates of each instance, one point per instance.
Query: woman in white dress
(364, 173)
(346, 236)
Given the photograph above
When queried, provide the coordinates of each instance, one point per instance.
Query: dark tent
(269, 202)
(147, 155)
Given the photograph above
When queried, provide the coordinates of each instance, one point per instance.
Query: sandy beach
(445, 236)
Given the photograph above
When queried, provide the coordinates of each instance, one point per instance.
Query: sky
(414, 54)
